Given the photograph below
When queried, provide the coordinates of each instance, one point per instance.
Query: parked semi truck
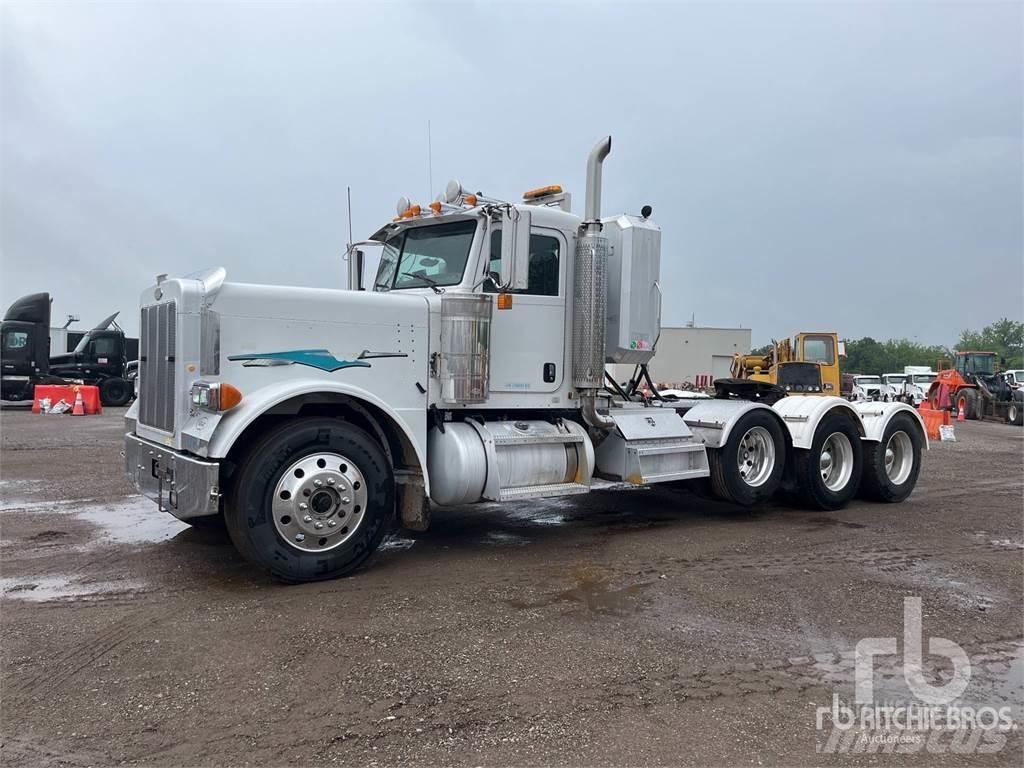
(99, 358)
(470, 368)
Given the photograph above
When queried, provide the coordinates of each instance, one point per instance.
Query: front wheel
(312, 500)
(891, 466)
(828, 474)
(1014, 414)
(748, 468)
(966, 400)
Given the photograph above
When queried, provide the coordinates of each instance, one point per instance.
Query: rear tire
(115, 392)
(748, 468)
(311, 500)
(892, 465)
(828, 474)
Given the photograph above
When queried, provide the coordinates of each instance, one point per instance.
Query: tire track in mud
(55, 672)
(799, 673)
(886, 559)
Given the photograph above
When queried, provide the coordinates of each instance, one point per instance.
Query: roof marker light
(550, 189)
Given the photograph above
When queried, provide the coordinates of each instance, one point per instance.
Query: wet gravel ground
(648, 627)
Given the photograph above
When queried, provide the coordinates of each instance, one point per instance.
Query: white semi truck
(470, 368)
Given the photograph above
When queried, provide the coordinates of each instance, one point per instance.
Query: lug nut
(318, 525)
(300, 537)
(318, 482)
(303, 505)
(330, 481)
(332, 523)
(345, 500)
(307, 519)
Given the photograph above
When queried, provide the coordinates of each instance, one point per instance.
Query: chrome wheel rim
(836, 461)
(899, 458)
(319, 502)
(755, 456)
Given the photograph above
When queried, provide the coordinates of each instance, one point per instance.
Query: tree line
(867, 355)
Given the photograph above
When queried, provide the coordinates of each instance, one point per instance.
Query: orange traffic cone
(79, 409)
(960, 416)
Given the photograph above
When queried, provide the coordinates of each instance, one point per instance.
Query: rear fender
(802, 413)
(712, 420)
(876, 417)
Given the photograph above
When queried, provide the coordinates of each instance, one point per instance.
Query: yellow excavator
(807, 364)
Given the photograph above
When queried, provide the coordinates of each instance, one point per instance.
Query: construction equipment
(976, 387)
(472, 370)
(807, 364)
(100, 358)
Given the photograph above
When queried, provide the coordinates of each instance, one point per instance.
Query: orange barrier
(57, 392)
(933, 420)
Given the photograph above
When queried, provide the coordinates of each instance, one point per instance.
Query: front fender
(222, 430)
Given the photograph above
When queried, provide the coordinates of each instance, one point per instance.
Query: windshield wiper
(429, 281)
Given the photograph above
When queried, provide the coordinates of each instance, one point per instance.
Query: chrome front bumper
(180, 484)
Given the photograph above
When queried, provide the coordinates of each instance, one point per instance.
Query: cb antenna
(430, 165)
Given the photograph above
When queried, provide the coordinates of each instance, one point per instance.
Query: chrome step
(542, 491)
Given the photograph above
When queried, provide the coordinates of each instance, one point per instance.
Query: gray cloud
(812, 166)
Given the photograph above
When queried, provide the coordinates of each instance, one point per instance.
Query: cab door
(528, 339)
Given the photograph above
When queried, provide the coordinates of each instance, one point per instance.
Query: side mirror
(842, 349)
(355, 270)
(515, 248)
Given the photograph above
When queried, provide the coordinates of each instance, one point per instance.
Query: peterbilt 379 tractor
(470, 368)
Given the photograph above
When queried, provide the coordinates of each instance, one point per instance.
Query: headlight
(215, 396)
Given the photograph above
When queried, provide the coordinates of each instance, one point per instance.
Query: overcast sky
(812, 166)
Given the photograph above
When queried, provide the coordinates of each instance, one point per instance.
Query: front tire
(115, 392)
(1014, 414)
(748, 468)
(311, 500)
(828, 474)
(966, 399)
(892, 465)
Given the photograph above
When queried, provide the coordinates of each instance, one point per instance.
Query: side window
(819, 350)
(105, 346)
(544, 254)
(15, 340)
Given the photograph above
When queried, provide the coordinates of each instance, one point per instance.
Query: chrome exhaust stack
(590, 298)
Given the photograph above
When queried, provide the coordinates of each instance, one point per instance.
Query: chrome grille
(156, 366)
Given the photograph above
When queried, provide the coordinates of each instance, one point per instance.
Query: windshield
(423, 256)
(896, 378)
(868, 380)
(984, 363)
(82, 344)
(924, 378)
(1018, 376)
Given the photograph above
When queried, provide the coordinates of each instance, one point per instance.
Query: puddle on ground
(824, 520)
(135, 520)
(593, 591)
(39, 589)
(503, 539)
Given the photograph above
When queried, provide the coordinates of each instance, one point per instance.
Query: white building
(693, 355)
